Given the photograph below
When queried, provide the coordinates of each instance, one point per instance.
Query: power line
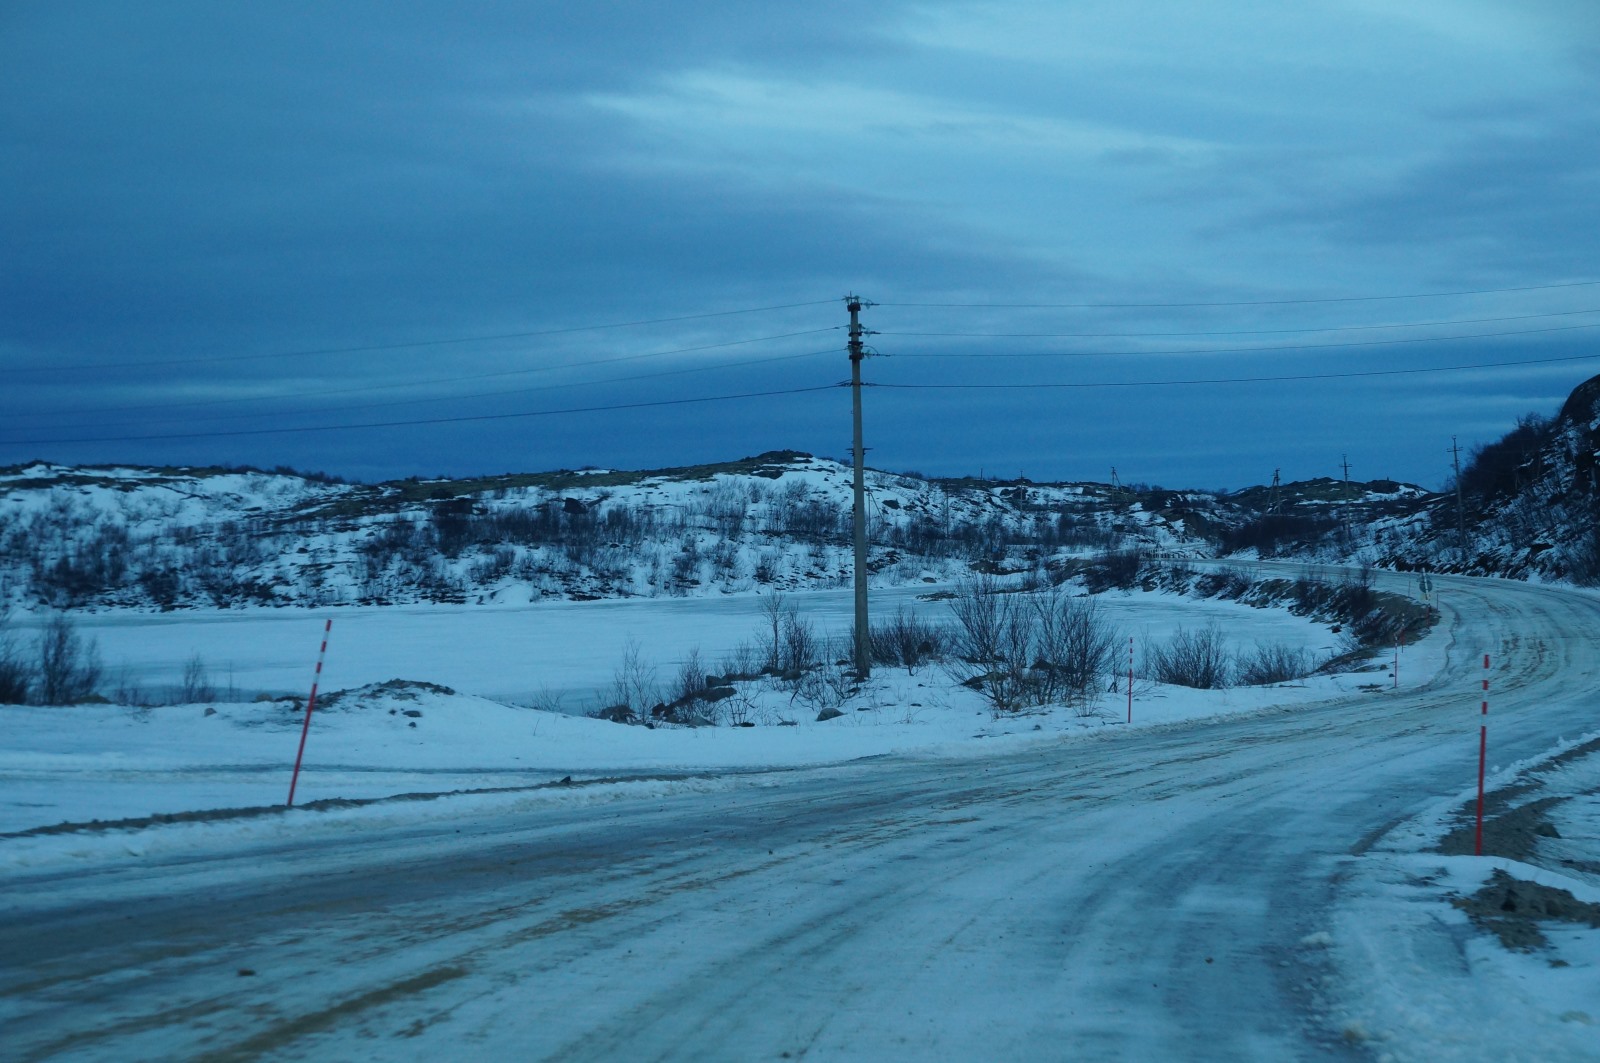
(809, 332)
(1232, 380)
(1243, 302)
(1230, 332)
(1247, 350)
(368, 348)
(424, 421)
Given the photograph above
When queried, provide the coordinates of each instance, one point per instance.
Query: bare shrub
(547, 700)
(1310, 592)
(1197, 659)
(1113, 569)
(691, 681)
(15, 675)
(741, 662)
(772, 611)
(840, 681)
(906, 640)
(801, 649)
(1022, 650)
(990, 629)
(789, 644)
(1356, 592)
(197, 684)
(832, 681)
(634, 686)
(1273, 662)
(1230, 581)
(814, 689)
(738, 709)
(984, 615)
(1583, 557)
(1175, 576)
(69, 668)
(130, 692)
(1073, 645)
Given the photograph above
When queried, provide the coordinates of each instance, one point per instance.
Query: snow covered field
(1259, 885)
(105, 762)
(516, 653)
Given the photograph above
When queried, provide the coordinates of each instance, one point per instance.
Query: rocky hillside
(1529, 503)
(74, 537)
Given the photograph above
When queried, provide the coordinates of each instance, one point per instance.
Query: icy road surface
(1145, 896)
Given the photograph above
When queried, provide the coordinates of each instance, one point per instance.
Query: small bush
(1117, 569)
(1230, 582)
(1310, 593)
(1072, 647)
(984, 618)
(15, 676)
(197, 684)
(691, 681)
(906, 640)
(800, 648)
(1273, 662)
(634, 690)
(742, 662)
(68, 668)
(1022, 650)
(825, 688)
(1355, 594)
(547, 700)
(1197, 659)
(772, 611)
(130, 692)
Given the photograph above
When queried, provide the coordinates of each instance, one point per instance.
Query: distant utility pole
(1272, 499)
(1461, 511)
(858, 351)
(1346, 459)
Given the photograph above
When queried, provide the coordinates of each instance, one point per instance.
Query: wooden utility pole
(857, 349)
(1346, 507)
(1461, 510)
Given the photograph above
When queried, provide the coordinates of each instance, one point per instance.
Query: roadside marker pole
(1397, 662)
(1483, 758)
(1130, 678)
(311, 703)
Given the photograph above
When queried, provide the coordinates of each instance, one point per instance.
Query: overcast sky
(229, 232)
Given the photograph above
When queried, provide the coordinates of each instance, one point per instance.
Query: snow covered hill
(74, 537)
(1528, 505)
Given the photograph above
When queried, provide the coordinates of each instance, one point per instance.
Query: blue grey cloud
(193, 183)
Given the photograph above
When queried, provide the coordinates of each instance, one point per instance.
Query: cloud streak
(191, 181)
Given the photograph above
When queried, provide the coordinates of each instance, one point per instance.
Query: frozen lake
(515, 653)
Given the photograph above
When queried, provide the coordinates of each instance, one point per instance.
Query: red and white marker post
(1130, 678)
(311, 703)
(1483, 758)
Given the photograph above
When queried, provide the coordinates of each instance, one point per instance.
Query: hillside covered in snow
(1528, 507)
(75, 537)
(81, 536)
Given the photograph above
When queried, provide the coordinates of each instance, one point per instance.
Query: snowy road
(1140, 897)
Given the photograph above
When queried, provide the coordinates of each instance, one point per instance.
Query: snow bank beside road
(1436, 961)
